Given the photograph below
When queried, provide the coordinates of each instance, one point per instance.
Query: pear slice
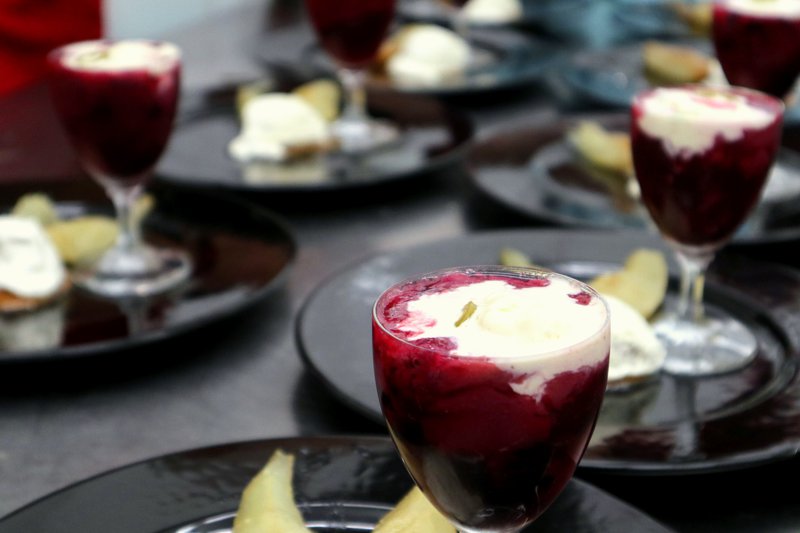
(642, 282)
(323, 95)
(414, 514)
(268, 503)
(83, 240)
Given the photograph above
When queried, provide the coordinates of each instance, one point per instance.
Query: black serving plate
(433, 136)
(613, 76)
(340, 484)
(534, 12)
(534, 173)
(216, 232)
(669, 426)
(505, 60)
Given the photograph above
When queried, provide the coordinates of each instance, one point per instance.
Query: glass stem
(355, 107)
(123, 199)
(693, 275)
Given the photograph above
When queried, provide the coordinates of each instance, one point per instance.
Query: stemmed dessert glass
(756, 43)
(117, 101)
(491, 435)
(701, 156)
(757, 47)
(351, 32)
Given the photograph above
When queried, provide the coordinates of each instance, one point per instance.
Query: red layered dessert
(490, 381)
(117, 102)
(757, 43)
(702, 156)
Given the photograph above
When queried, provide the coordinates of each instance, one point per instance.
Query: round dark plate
(340, 484)
(669, 426)
(650, 18)
(216, 231)
(533, 173)
(534, 12)
(432, 137)
(506, 60)
(613, 76)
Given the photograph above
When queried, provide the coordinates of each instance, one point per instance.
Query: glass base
(122, 274)
(716, 345)
(359, 136)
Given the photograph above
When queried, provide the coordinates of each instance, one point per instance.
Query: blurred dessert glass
(351, 32)
(701, 156)
(117, 102)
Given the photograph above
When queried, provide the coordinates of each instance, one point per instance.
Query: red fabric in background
(29, 29)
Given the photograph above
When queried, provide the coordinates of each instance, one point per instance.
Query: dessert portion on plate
(634, 294)
(493, 11)
(268, 504)
(423, 55)
(281, 127)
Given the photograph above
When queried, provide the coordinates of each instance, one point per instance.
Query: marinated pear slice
(83, 240)
(642, 283)
(323, 95)
(414, 514)
(603, 149)
(267, 503)
(37, 206)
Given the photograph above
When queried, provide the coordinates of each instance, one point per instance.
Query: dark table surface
(243, 379)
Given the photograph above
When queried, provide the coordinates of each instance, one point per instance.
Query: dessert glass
(351, 32)
(701, 156)
(756, 42)
(491, 434)
(117, 102)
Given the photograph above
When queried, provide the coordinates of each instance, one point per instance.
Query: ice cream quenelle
(490, 379)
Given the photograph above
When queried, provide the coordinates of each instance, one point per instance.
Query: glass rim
(515, 271)
(177, 56)
(780, 105)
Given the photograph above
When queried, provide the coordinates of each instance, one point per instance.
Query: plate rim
(457, 118)
(730, 462)
(475, 171)
(10, 359)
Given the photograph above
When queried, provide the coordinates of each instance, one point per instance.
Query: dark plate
(534, 12)
(505, 60)
(533, 173)
(613, 76)
(668, 427)
(433, 136)
(216, 231)
(650, 18)
(340, 484)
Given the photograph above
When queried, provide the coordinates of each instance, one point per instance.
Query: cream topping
(428, 55)
(635, 349)
(493, 11)
(118, 56)
(789, 9)
(273, 123)
(537, 331)
(29, 263)
(688, 121)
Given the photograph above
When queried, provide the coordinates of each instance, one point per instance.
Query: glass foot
(359, 136)
(122, 274)
(717, 345)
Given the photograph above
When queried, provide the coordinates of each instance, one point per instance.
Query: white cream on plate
(789, 9)
(273, 123)
(666, 112)
(30, 266)
(427, 56)
(636, 352)
(118, 56)
(537, 331)
(493, 11)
